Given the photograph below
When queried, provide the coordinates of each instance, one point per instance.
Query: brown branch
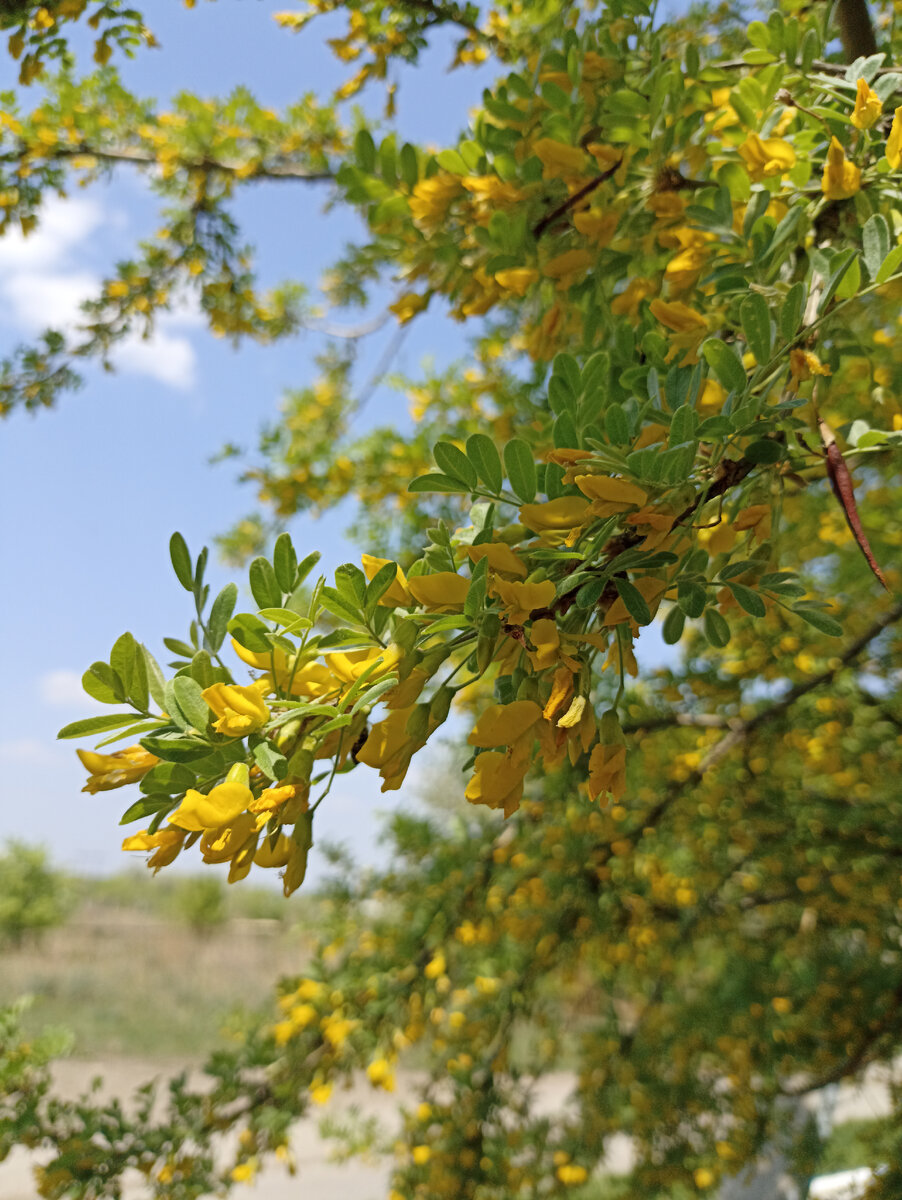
(687, 720)
(140, 158)
(573, 200)
(858, 1058)
(744, 728)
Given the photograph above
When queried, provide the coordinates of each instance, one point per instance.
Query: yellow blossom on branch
(199, 812)
(766, 157)
(841, 178)
(502, 724)
(115, 770)
(240, 710)
(868, 106)
(894, 141)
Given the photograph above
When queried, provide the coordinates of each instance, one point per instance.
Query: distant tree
(201, 903)
(32, 893)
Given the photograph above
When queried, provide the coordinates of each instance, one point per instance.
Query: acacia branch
(744, 728)
(571, 202)
(124, 154)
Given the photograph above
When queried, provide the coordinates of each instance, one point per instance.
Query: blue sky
(92, 490)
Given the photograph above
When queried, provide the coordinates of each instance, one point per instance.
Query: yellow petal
(502, 724)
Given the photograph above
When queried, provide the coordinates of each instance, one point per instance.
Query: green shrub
(32, 893)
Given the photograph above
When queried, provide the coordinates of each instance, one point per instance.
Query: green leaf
(455, 463)
(564, 434)
(306, 566)
(182, 649)
(145, 807)
(717, 631)
(122, 659)
(672, 630)
(187, 692)
(819, 619)
(285, 562)
(408, 165)
(731, 570)
(292, 621)
(138, 692)
(839, 264)
(451, 161)
(755, 317)
(155, 678)
(264, 587)
(724, 362)
(683, 425)
(890, 265)
(350, 582)
(521, 469)
(91, 725)
(875, 241)
(220, 615)
(747, 599)
(169, 778)
(365, 150)
(368, 698)
(484, 456)
(181, 562)
(176, 749)
(633, 601)
(249, 631)
(791, 312)
(763, 453)
(99, 689)
(691, 598)
(617, 425)
(437, 483)
(335, 603)
(271, 762)
(379, 585)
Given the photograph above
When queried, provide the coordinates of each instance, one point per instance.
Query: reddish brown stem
(841, 481)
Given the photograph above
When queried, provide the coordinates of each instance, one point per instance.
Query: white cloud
(19, 750)
(43, 284)
(62, 688)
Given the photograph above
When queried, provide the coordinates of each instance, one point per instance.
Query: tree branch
(856, 31)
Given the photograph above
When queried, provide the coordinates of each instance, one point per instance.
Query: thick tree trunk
(855, 29)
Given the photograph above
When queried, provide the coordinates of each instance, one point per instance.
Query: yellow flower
(115, 770)
(703, 1177)
(407, 306)
(618, 492)
(766, 157)
(501, 558)
(397, 594)
(520, 599)
(502, 724)
(497, 781)
(566, 267)
(274, 856)
(380, 1074)
(517, 279)
(444, 591)
(389, 748)
(432, 198)
(166, 844)
(689, 327)
(320, 1092)
(868, 107)
(570, 1173)
(560, 160)
(678, 317)
(565, 513)
(199, 813)
(240, 709)
(545, 637)
(599, 226)
(626, 304)
(421, 1155)
(803, 364)
(841, 178)
(894, 141)
(350, 665)
(607, 771)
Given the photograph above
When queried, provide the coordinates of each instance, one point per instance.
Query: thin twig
(573, 200)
